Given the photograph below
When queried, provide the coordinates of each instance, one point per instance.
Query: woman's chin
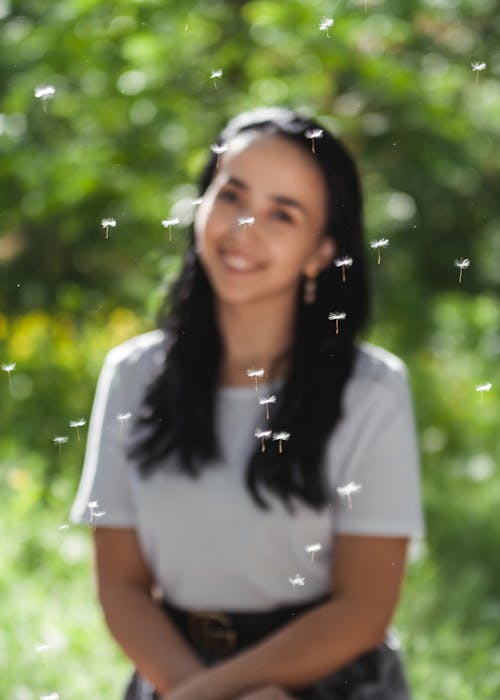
(245, 299)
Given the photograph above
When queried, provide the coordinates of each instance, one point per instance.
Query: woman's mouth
(238, 262)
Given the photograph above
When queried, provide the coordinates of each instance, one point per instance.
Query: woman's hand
(268, 692)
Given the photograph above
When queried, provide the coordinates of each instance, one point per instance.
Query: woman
(251, 520)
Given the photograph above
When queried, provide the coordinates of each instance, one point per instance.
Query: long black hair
(179, 403)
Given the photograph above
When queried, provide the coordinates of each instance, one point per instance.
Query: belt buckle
(212, 631)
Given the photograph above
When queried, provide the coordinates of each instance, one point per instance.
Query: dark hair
(180, 402)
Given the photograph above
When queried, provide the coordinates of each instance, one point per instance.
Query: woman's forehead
(267, 147)
(272, 161)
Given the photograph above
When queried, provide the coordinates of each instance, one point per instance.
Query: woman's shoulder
(144, 350)
(379, 368)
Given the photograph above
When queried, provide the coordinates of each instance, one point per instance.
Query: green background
(125, 136)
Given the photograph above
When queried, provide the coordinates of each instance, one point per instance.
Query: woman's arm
(144, 632)
(368, 572)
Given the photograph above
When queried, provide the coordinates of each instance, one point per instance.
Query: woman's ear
(326, 251)
(322, 256)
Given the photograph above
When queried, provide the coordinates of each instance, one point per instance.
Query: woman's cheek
(203, 223)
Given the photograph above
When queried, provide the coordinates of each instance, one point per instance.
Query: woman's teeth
(239, 263)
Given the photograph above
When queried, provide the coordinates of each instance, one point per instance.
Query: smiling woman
(262, 219)
(202, 552)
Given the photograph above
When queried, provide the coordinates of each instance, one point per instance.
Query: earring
(310, 290)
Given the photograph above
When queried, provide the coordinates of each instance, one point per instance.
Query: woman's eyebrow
(279, 199)
(289, 202)
(232, 180)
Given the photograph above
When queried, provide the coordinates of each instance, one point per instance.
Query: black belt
(216, 634)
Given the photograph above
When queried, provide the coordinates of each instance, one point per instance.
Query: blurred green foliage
(125, 135)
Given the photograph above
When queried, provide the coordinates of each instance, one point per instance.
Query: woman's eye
(282, 215)
(228, 196)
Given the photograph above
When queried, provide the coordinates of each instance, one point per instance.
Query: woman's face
(259, 228)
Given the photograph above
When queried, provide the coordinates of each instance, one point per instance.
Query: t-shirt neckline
(246, 391)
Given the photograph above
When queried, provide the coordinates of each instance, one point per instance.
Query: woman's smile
(237, 261)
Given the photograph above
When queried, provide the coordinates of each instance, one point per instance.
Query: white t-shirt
(208, 544)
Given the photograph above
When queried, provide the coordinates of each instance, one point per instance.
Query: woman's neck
(254, 336)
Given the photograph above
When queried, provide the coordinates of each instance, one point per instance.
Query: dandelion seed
(265, 401)
(263, 435)
(60, 440)
(257, 374)
(297, 580)
(462, 264)
(246, 220)
(168, 223)
(219, 149)
(477, 67)
(312, 549)
(77, 424)
(337, 316)
(482, 388)
(314, 134)
(64, 526)
(122, 418)
(51, 696)
(92, 505)
(107, 224)
(325, 24)
(281, 437)
(9, 367)
(94, 516)
(44, 93)
(378, 244)
(347, 491)
(42, 649)
(343, 263)
(216, 75)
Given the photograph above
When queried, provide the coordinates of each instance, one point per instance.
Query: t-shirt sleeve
(103, 498)
(374, 468)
